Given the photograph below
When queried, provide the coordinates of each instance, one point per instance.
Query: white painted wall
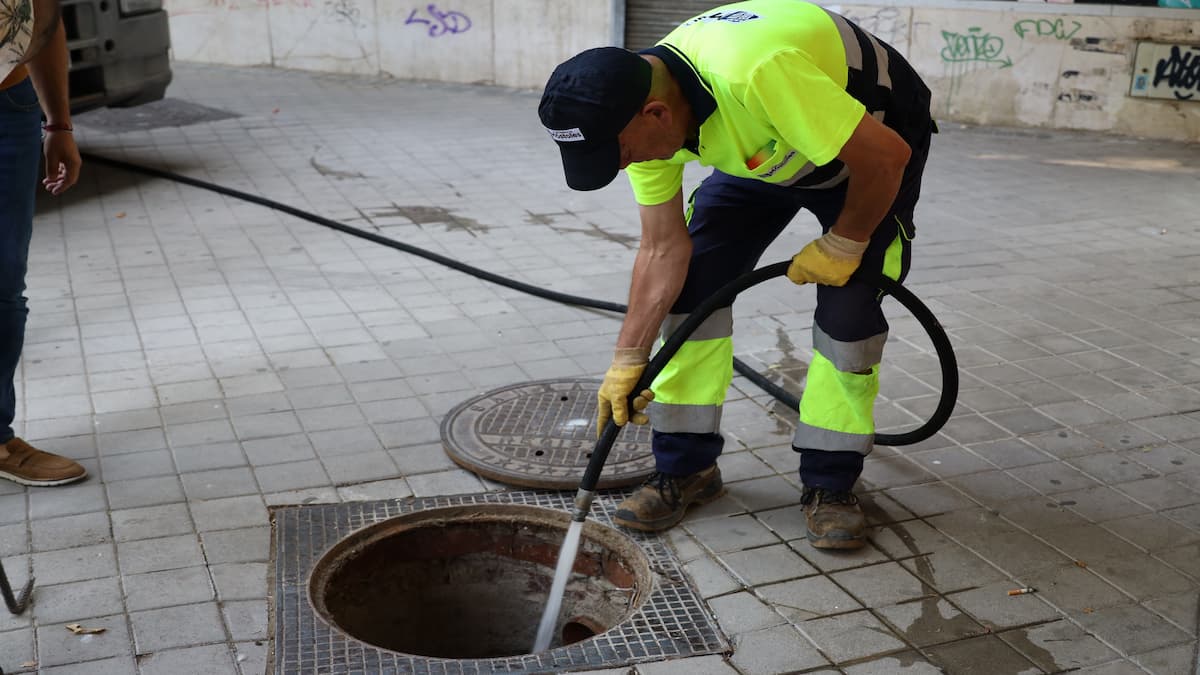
(508, 42)
(1010, 63)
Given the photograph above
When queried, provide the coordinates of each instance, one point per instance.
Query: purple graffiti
(440, 22)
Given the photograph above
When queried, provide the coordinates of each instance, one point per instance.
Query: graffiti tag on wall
(974, 46)
(1054, 28)
(439, 22)
(1180, 71)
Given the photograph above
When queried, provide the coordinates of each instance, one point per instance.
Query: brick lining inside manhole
(671, 622)
(541, 435)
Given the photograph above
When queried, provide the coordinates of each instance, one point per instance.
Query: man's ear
(659, 110)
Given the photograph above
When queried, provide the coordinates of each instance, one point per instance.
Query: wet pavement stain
(931, 621)
(331, 172)
(593, 230)
(421, 215)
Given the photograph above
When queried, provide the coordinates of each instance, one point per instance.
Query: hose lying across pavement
(723, 297)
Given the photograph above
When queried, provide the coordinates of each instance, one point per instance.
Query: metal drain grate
(672, 623)
(541, 435)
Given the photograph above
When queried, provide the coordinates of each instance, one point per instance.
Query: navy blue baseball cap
(587, 102)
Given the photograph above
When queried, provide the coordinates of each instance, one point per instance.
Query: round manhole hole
(541, 435)
(470, 582)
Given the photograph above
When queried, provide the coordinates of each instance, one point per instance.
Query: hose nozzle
(583, 505)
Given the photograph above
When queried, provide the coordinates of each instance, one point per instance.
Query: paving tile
(810, 598)
(848, 637)
(981, 656)
(1132, 629)
(247, 619)
(155, 555)
(743, 613)
(711, 579)
(881, 585)
(240, 581)
(760, 494)
(1052, 478)
(1179, 608)
(181, 586)
(1059, 645)
(831, 561)
(1159, 493)
(769, 564)
(251, 544)
(77, 601)
(80, 498)
(455, 481)
(217, 483)
(703, 665)
(904, 663)
(138, 492)
(17, 647)
(70, 531)
(774, 650)
(930, 621)
(907, 539)
(991, 605)
(121, 665)
(229, 513)
(735, 533)
(74, 564)
(928, 500)
(952, 569)
(204, 660)
(58, 646)
(1177, 659)
(150, 522)
(183, 626)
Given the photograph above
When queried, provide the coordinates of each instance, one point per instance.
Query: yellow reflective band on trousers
(839, 402)
(893, 258)
(698, 374)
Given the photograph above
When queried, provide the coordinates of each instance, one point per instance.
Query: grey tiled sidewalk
(207, 359)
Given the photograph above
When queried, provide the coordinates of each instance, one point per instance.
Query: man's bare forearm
(48, 70)
(658, 272)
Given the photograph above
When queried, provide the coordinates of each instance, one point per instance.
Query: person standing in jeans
(35, 121)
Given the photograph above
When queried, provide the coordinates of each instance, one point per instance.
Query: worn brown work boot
(662, 500)
(834, 519)
(25, 464)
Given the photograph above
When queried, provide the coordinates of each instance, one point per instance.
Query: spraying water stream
(562, 572)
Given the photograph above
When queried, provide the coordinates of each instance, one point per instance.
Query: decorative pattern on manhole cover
(169, 112)
(672, 623)
(541, 435)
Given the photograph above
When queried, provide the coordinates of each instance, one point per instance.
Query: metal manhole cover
(169, 112)
(541, 435)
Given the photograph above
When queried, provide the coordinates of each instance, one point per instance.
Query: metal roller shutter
(647, 21)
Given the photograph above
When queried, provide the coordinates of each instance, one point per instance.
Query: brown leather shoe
(834, 519)
(25, 464)
(662, 500)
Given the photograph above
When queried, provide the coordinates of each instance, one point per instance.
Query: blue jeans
(20, 158)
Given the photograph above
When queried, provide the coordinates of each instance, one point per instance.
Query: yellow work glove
(830, 260)
(627, 366)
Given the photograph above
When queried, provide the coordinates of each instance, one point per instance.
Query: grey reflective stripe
(809, 168)
(850, 357)
(816, 438)
(685, 419)
(854, 55)
(719, 324)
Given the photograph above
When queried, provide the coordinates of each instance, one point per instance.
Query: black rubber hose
(722, 298)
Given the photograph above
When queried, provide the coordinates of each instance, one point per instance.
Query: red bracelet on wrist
(57, 127)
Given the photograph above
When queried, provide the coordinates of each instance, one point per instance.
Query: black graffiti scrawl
(1180, 71)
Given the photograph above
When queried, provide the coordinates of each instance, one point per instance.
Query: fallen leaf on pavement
(80, 630)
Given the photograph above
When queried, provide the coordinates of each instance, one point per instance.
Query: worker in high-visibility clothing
(794, 107)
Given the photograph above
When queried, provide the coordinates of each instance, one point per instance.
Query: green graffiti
(1045, 28)
(974, 46)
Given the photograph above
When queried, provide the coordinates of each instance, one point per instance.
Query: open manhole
(541, 435)
(467, 582)
(457, 585)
